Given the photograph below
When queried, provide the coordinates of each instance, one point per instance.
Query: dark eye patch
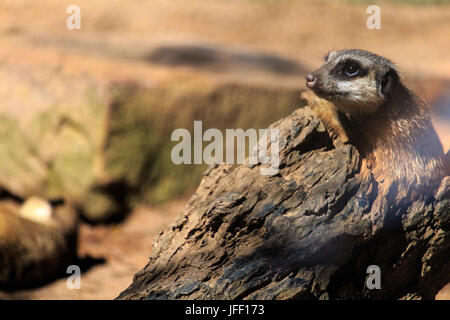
(349, 69)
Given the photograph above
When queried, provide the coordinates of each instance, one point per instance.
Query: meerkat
(360, 98)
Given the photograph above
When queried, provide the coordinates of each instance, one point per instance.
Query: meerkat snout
(310, 81)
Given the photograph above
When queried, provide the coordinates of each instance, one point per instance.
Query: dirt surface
(415, 37)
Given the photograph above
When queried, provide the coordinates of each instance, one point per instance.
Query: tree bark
(308, 232)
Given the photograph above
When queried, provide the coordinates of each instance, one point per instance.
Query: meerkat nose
(310, 80)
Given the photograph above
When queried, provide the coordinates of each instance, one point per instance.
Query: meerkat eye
(351, 69)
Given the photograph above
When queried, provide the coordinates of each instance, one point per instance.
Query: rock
(308, 232)
(36, 209)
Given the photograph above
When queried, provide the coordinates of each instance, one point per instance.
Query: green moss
(21, 170)
(138, 146)
(68, 138)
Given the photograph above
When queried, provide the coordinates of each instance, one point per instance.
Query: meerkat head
(356, 81)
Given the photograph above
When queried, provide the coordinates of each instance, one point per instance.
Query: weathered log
(35, 249)
(308, 232)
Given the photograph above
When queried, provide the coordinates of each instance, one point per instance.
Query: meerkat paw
(329, 115)
(311, 98)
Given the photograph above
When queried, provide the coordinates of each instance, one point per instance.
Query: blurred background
(86, 115)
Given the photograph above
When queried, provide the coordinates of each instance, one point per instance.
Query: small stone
(36, 209)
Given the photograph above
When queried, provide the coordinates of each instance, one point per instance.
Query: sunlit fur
(392, 129)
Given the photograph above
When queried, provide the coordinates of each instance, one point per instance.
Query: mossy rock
(111, 149)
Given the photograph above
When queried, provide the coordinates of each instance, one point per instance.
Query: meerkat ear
(388, 81)
(329, 56)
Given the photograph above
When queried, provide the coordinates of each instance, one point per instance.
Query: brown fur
(329, 114)
(398, 142)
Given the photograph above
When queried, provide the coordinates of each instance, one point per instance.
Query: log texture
(308, 232)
